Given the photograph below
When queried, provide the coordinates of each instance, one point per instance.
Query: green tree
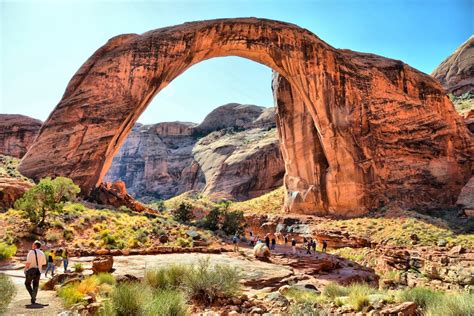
(234, 222)
(48, 196)
(211, 221)
(183, 213)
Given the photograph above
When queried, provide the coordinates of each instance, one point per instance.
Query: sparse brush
(459, 304)
(204, 283)
(70, 294)
(105, 278)
(7, 292)
(130, 299)
(78, 267)
(422, 296)
(6, 251)
(89, 285)
(167, 302)
(333, 290)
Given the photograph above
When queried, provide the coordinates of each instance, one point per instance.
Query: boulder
(11, 189)
(102, 264)
(260, 250)
(60, 279)
(404, 309)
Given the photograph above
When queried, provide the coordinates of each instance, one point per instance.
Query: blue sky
(43, 43)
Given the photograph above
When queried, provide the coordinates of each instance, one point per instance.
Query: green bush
(7, 292)
(106, 278)
(7, 251)
(422, 296)
(48, 196)
(70, 295)
(78, 267)
(205, 283)
(171, 277)
(68, 234)
(333, 290)
(184, 242)
(211, 221)
(359, 296)
(183, 213)
(452, 305)
(129, 299)
(233, 222)
(167, 302)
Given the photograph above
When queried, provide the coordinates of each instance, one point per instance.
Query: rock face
(237, 157)
(388, 133)
(155, 159)
(456, 73)
(11, 189)
(17, 133)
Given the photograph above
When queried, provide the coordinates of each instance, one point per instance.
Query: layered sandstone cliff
(17, 133)
(456, 73)
(233, 154)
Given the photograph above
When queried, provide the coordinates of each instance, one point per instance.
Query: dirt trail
(48, 302)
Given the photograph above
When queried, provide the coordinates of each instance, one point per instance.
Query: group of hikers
(35, 260)
(271, 242)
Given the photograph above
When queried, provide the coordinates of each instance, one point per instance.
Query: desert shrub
(333, 290)
(7, 292)
(300, 295)
(6, 250)
(422, 296)
(458, 304)
(183, 213)
(205, 283)
(167, 302)
(78, 267)
(233, 222)
(305, 308)
(129, 299)
(89, 285)
(68, 234)
(46, 197)
(70, 294)
(171, 277)
(105, 278)
(211, 220)
(158, 205)
(359, 296)
(184, 242)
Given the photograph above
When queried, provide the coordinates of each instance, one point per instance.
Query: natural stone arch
(346, 97)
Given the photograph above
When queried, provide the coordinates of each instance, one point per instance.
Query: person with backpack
(35, 260)
(235, 241)
(325, 245)
(293, 245)
(50, 263)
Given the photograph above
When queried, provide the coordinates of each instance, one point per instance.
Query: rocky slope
(17, 133)
(456, 73)
(232, 154)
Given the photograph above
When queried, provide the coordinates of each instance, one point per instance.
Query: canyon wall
(233, 154)
(17, 133)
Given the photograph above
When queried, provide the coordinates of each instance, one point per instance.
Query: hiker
(65, 257)
(314, 244)
(286, 239)
(34, 262)
(267, 241)
(325, 245)
(273, 243)
(308, 247)
(293, 245)
(252, 240)
(50, 263)
(235, 240)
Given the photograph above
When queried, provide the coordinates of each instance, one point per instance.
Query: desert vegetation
(7, 292)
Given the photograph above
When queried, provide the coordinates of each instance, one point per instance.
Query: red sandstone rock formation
(387, 131)
(17, 133)
(11, 189)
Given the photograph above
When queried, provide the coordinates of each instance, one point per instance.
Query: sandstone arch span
(357, 130)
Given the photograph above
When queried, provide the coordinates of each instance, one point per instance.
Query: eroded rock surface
(17, 133)
(234, 154)
(389, 133)
(456, 73)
